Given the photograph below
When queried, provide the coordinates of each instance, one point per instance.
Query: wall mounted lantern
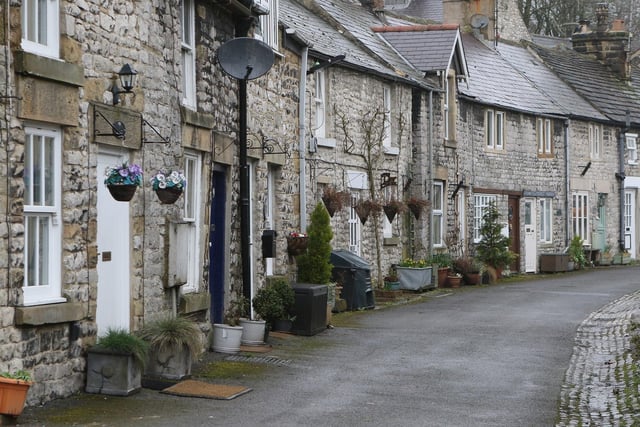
(127, 80)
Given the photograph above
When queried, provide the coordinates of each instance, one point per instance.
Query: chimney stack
(610, 46)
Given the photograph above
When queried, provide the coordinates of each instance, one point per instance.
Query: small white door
(530, 244)
(629, 222)
(113, 304)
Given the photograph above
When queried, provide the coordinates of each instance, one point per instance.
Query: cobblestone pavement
(598, 389)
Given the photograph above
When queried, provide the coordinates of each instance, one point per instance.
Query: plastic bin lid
(345, 258)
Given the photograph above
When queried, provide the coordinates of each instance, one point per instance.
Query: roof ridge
(420, 27)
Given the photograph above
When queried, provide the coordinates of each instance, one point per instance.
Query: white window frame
(269, 208)
(437, 214)
(38, 37)
(187, 22)
(191, 216)
(355, 230)
(386, 107)
(595, 140)
(47, 289)
(320, 128)
(494, 129)
(631, 140)
(544, 137)
(546, 220)
(269, 26)
(580, 215)
(480, 204)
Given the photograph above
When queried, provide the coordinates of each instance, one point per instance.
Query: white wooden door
(530, 243)
(630, 222)
(113, 306)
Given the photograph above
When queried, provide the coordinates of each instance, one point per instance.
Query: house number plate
(106, 256)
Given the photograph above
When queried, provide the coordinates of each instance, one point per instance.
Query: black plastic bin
(310, 308)
(354, 275)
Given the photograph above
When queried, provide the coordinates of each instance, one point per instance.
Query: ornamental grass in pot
(116, 362)
(174, 342)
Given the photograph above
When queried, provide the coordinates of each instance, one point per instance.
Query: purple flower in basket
(123, 175)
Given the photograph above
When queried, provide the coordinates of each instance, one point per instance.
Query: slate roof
(595, 82)
(493, 81)
(324, 26)
(431, 10)
(548, 83)
(428, 50)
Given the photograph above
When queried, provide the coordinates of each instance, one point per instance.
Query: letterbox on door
(269, 243)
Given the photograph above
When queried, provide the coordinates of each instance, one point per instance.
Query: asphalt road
(478, 356)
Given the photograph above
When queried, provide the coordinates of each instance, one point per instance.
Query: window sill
(326, 142)
(49, 314)
(633, 162)
(193, 302)
(391, 241)
(392, 151)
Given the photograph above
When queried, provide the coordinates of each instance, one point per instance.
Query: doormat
(192, 388)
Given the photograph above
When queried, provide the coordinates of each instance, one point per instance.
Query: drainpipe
(567, 183)
(430, 172)
(303, 136)
(621, 176)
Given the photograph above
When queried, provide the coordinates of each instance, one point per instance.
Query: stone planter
(252, 332)
(112, 373)
(226, 339)
(170, 363)
(414, 279)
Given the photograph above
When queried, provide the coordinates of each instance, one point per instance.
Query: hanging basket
(168, 196)
(122, 193)
(297, 245)
(390, 212)
(416, 209)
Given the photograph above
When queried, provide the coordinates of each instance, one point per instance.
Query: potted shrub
(576, 253)
(469, 268)
(123, 180)
(493, 249)
(414, 274)
(391, 280)
(227, 336)
(274, 303)
(115, 363)
(13, 391)
(168, 185)
(174, 342)
(442, 263)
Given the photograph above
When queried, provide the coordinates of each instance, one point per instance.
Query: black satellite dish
(245, 58)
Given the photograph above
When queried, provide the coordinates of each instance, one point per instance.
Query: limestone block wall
(97, 38)
(354, 120)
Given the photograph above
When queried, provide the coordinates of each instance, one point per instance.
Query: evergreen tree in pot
(493, 249)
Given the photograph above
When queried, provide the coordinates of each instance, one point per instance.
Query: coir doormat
(193, 388)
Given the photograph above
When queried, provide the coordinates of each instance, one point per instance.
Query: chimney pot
(618, 25)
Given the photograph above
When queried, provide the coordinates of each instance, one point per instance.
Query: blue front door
(217, 252)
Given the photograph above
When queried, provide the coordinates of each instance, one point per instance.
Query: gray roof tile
(595, 82)
(493, 81)
(547, 82)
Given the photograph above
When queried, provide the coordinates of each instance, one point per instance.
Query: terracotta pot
(454, 281)
(13, 394)
(443, 273)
